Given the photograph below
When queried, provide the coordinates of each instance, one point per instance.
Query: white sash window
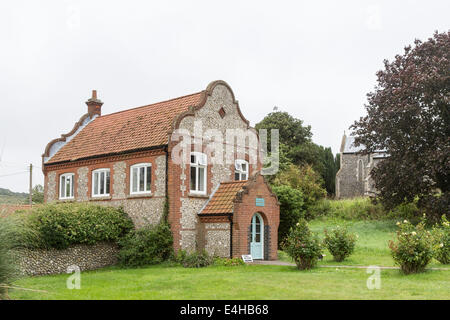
(140, 178)
(198, 173)
(100, 183)
(66, 186)
(240, 170)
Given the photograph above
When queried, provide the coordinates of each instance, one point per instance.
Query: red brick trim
(104, 159)
(206, 93)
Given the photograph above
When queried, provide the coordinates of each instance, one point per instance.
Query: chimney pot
(94, 105)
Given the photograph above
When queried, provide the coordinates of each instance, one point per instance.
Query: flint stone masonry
(218, 239)
(51, 186)
(160, 173)
(146, 211)
(119, 180)
(347, 177)
(86, 257)
(210, 119)
(82, 184)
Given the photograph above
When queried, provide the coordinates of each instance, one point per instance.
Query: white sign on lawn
(247, 258)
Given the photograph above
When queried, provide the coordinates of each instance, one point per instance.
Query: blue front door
(257, 230)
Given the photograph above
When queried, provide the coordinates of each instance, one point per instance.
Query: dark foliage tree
(296, 146)
(292, 132)
(408, 115)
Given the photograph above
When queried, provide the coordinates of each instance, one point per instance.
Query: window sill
(139, 195)
(198, 195)
(67, 200)
(102, 198)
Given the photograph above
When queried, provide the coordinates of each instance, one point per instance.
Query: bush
(413, 250)
(146, 246)
(303, 246)
(405, 211)
(347, 209)
(194, 259)
(340, 243)
(291, 208)
(61, 225)
(227, 262)
(11, 233)
(305, 179)
(441, 241)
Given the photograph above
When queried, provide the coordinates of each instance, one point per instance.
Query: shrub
(11, 232)
(347, 209)
(303, 246)
(305, 179)
(146, 246)
(60, 225)
(291, 208)
(407, 211)
(195, 259)
(227, 262)
(441, 241)
(340, 243)
(413, 250)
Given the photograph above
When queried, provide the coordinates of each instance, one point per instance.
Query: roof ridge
(149, 105)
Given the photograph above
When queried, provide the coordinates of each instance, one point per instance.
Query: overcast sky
(314, 59)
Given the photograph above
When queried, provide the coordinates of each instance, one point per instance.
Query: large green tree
(296, 147)
(408, 115)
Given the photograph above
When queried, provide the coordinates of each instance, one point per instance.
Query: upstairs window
(198, 173)
(141, 178)
(100, 182)
(66, 186)
(240, 170)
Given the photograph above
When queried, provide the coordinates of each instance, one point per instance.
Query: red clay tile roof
(222, 200)
(132, 129)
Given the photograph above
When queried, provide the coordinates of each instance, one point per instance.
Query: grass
(371, 246)
(242, 282)
(258, 281)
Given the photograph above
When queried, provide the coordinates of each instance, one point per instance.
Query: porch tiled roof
(132, 129)
(222, 199)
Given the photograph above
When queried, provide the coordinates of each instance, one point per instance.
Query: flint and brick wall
(53, 261)
(243, 214)
(143, 209)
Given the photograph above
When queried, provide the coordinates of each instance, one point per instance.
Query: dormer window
(66, 186)
(100, 183)
(198, 173)
(240, 170)
(141, 178)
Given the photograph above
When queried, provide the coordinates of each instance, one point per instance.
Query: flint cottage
(130, 159)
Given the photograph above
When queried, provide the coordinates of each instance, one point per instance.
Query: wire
(13, 174)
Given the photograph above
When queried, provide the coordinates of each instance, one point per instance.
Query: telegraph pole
(31, 184)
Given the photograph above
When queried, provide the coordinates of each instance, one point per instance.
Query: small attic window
(222, 112)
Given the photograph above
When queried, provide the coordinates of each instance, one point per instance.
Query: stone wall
(217, 239)
(350, 180)
(185, 207)
(86, 257)
(347, 183)
(143, 209)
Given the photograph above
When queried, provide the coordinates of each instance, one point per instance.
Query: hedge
(63, 224)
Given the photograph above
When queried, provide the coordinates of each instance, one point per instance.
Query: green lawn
(371, 246)
(243, 282)
(257, 281)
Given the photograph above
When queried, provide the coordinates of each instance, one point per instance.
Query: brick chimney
(94, 105)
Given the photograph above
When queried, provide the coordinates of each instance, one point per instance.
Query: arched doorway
(257, 237)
